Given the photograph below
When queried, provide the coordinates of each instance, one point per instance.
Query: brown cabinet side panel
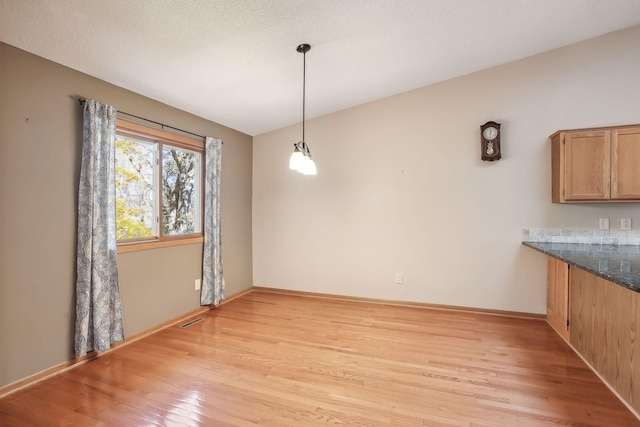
(634, 329)
(557, 169)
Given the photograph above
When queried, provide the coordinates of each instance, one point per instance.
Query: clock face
(490, 133)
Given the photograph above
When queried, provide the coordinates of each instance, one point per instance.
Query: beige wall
(401, 187)
(40, 135)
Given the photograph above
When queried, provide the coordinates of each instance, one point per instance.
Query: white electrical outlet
(197, 284)
(625, 224)
(604, 223)
(399, 278)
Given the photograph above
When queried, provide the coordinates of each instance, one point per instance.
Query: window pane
(135, 201)
(180, 191)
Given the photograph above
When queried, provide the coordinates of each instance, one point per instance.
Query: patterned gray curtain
(98, 309)
(213, 277)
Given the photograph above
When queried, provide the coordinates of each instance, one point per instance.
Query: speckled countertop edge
(618, 264)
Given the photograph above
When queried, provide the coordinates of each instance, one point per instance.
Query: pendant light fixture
(301, 160)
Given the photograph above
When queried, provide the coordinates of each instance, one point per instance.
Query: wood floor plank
(272, 359)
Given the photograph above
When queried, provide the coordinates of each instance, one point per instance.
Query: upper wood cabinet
(596, 165)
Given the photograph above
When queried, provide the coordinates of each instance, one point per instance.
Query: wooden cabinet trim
(621, 127)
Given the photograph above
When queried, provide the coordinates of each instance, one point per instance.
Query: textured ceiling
(234, 61)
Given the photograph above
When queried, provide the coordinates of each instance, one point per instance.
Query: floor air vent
(192, 322)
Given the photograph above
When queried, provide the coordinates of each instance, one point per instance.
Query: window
(159, 187)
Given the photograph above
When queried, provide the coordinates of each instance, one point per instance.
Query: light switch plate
(625, 224)
(604, 223)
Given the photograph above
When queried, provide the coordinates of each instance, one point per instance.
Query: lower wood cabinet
(601, 321)
(558, 296)
(605, 330)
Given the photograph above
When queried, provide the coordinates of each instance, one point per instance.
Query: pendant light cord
(304, 88)
(301, 160)
(302, 145)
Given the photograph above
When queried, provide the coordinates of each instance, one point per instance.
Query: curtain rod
(83, 100)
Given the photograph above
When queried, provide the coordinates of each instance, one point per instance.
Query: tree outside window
(158, 188)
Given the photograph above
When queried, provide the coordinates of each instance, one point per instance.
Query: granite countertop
(618, 263)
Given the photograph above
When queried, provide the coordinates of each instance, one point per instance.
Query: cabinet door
(625, 161)
(558, 296)
(587, 165)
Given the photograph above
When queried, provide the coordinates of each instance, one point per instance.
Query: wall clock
(490, 141)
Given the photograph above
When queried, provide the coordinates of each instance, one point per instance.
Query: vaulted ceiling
(235, 61)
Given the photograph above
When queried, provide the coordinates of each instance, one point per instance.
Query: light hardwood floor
(273, 359)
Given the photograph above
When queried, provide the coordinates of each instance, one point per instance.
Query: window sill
(134, 247)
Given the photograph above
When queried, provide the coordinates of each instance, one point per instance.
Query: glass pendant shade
(304, 165)
(309, 167)
(296, 160)
(301, 160)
